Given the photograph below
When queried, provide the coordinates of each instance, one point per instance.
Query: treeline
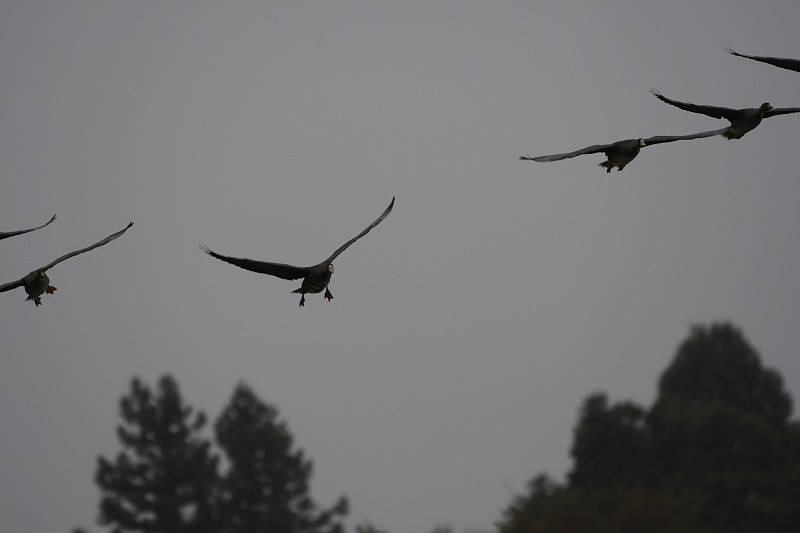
(168, 479)
(716, 452)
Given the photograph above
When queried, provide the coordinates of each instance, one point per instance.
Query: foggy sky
(468, 327)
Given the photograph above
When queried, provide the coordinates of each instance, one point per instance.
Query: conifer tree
(164, 480)
(266, 488)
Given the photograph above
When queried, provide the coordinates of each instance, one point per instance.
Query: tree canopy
(266, 487)
(167, 478)
(164, 480)
(717, 364)
(715, 452)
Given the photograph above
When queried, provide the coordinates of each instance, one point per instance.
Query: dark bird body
(8, 234)
(621, 153)
(782, 62)
(742, 120)
(315, 278)
(37, 283)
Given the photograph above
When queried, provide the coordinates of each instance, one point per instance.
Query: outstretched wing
(344, 247)
(780, 111)
(709, 110)
(11, 285)
(21, 231)
(92, 247)
(669, 138)
(782, 62)
(558, 157)
(262, 267)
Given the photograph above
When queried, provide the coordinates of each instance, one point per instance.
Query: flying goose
(742, 120)
(315, 278)
(621, 153)
(37, 283)
(8, 234)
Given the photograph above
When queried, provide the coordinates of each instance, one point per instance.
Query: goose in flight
(6, 235)
(315, 278)
(37, 283)
(621, 153)
(782, 62)
(742, 120)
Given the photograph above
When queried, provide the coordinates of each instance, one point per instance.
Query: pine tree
(164, 480)
(266, 488)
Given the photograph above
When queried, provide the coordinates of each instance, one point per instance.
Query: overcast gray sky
(469, 326)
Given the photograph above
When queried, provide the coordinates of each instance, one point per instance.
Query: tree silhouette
(720, 428)
(164, 482)
(608, 447)
(266, 487)
(166, 479)
(715, 452)
(717, 364)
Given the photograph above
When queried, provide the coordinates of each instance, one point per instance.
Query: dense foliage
(266, 487)
(715, 452)
(167, 478)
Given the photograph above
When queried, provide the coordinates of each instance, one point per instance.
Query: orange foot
(50, 289)
(328, 294)
(37, 301)
(302, 300)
